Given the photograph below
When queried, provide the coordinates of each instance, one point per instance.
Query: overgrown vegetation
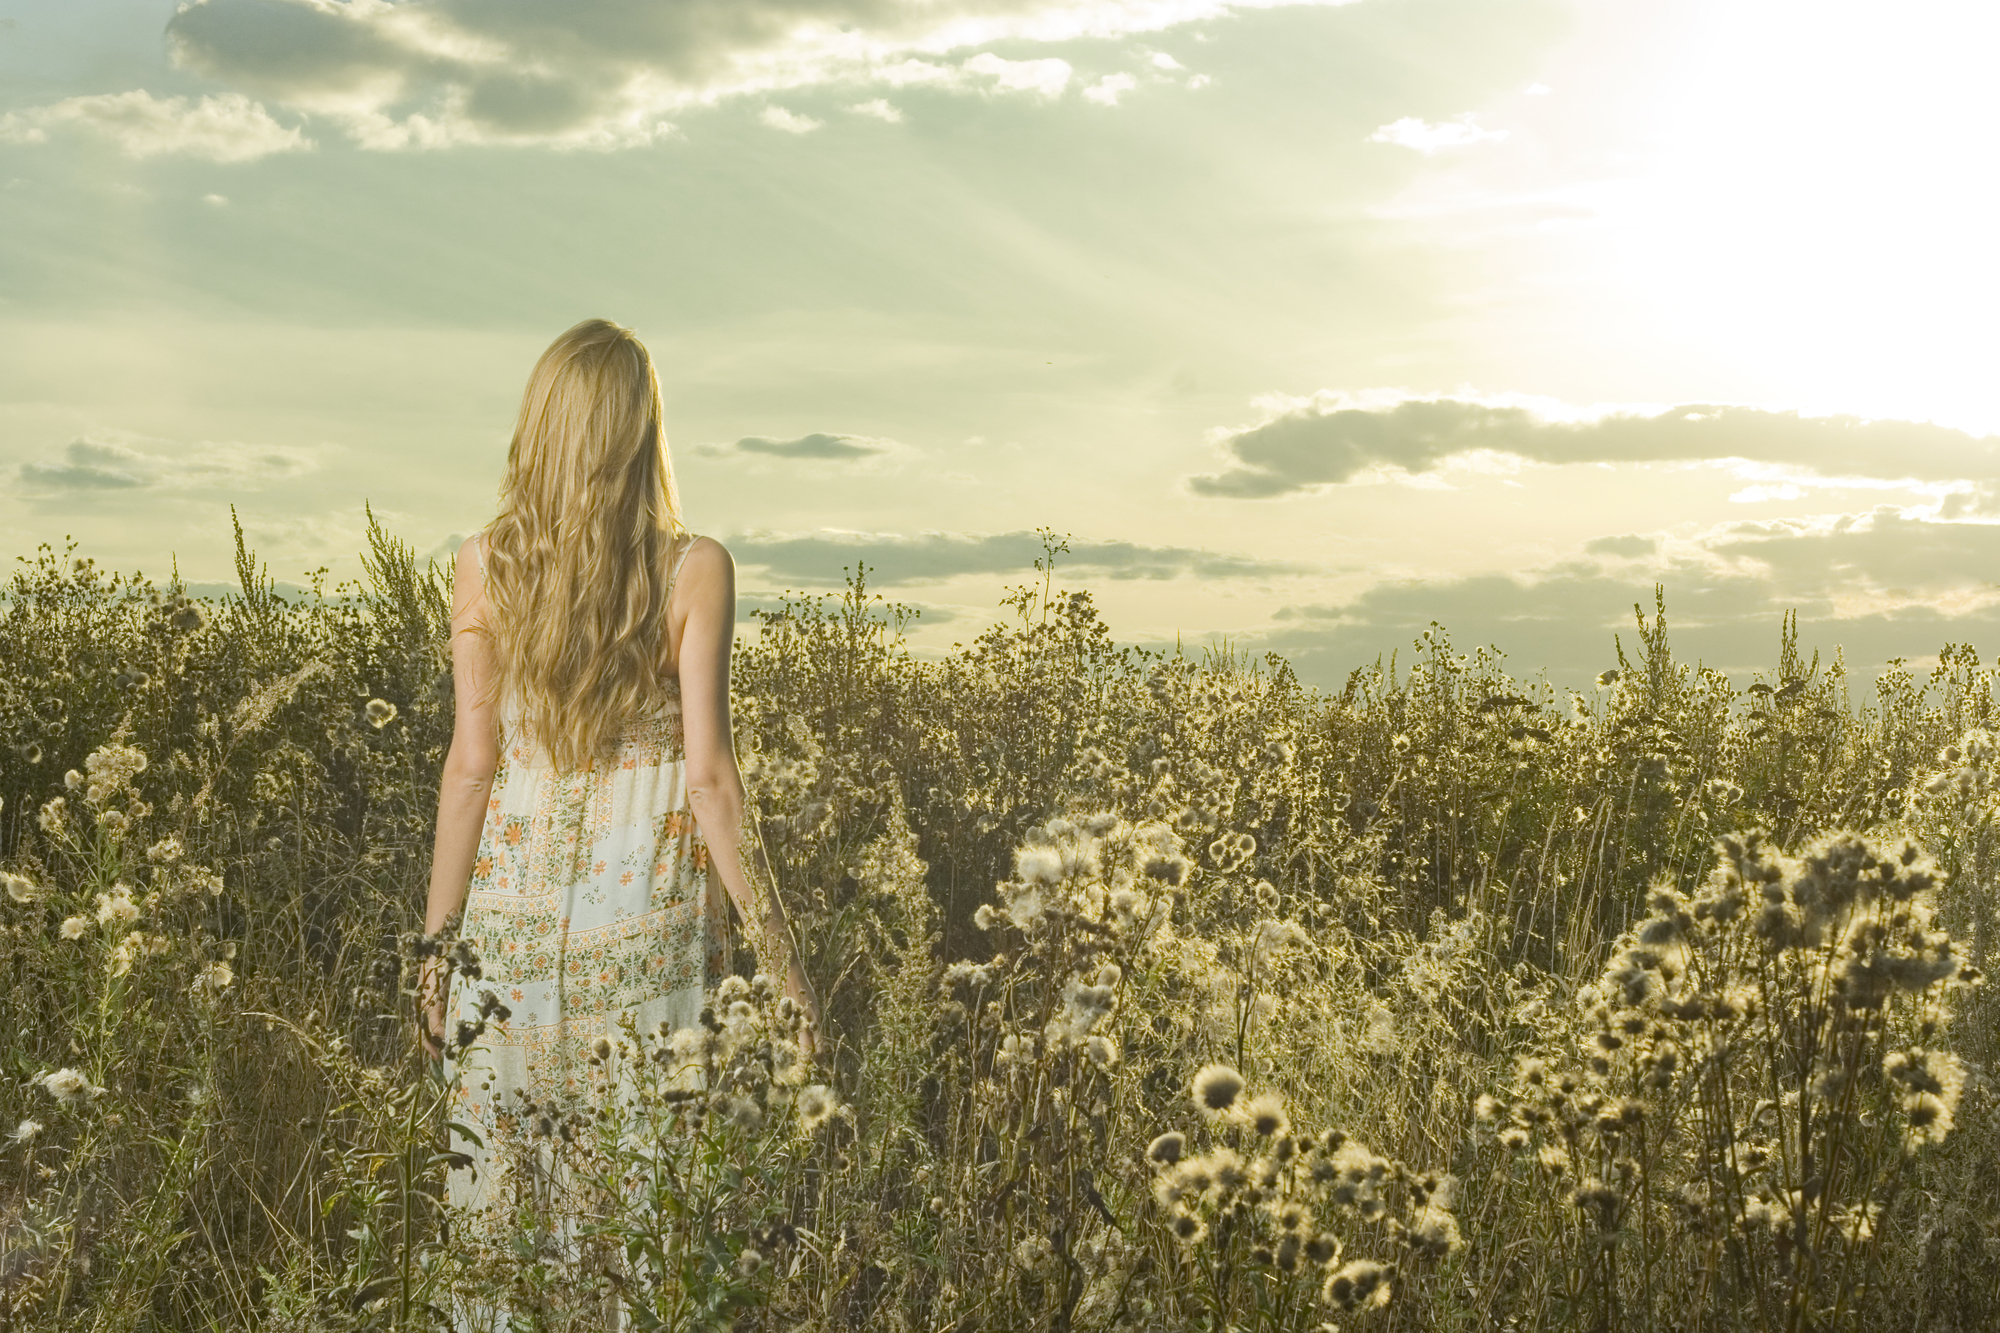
(1163, 993)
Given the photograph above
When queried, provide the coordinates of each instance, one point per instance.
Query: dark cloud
(1723, 611)
(818, 445)
(91, 465)
(935, 556)
(427, 72)
(1327, 443)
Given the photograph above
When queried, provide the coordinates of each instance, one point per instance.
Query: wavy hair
(578, 562)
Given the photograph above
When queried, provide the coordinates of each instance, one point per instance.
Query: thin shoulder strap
(674, 575)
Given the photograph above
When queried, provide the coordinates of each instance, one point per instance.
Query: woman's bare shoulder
(708, 563)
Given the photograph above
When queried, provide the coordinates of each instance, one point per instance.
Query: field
(1163, 993)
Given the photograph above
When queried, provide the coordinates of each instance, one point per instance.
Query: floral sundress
(590, 900)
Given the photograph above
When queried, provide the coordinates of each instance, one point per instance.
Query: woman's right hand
(801, 992)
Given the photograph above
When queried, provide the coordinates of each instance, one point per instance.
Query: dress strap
(673, 576)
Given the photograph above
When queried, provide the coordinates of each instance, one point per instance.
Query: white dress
(590, 900)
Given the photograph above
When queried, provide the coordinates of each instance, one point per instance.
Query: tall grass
(1163, 992)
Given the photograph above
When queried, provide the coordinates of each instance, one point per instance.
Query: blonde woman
(591, 816)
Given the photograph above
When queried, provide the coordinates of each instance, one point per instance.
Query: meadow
(1162, 992)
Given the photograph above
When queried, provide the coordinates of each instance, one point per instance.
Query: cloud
(1878, 585)
(1631, 547)
(1046, 77)
(780, 119)
(878, 109)
(933, 557)
(817, 446)
(1426, 138)
(1105, 91)
(611, 73)
(225, 128)
(1333, 439)
(107, 463)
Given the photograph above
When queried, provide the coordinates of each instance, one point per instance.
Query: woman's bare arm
(706, 596)
(467, 783)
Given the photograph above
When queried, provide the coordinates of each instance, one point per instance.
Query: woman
(591, 800)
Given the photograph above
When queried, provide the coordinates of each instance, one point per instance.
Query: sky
(1309, 324)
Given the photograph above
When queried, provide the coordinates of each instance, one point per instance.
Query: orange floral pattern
(590, 900)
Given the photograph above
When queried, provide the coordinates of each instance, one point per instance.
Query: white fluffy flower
(22, 889)
(75, 927)
(69, 1085)
(116, 908)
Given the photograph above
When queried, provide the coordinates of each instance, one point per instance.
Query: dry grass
(1164, 993)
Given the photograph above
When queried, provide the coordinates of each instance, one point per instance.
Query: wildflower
(134, 947)
(379, 712)
(26, 1131)
(742, 1112)
(1188, 1229)
(1101, 1050)
(1026, 909)
(22, 889)
(75, 927)
(1038, 865)
(1435, 1232)
(600, 1050)
(1514, 1139)
(1359, 1285)
(1015, 1048)
(116, 908)
(1167, 1149)
(986, 918)
(69, 1086)
(1216, 1089)
(1265, 1114)
(165, 852)
(111, 769)
(212, 980)
(54, 817)
(114, 822)
(749, 1263)
(815, 1106)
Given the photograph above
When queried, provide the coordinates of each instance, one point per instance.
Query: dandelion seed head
(1215, 1090)
(750, 1262)
(1167, 1149)
(1265, 1114)
(26, 1131)
(986, 918)
(815, 1106)
(379, 712)
(75, 927)
(22, 889)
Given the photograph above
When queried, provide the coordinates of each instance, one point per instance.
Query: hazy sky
(1310, 323)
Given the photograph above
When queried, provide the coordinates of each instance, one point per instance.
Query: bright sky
(1310, 323)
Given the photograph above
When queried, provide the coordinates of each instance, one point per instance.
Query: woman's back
(589, 903)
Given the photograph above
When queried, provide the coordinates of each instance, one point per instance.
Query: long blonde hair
(577, 563)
